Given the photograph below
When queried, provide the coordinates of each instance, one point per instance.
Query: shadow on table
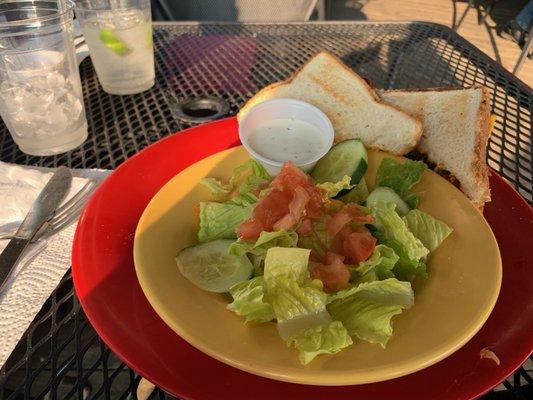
(346, 10)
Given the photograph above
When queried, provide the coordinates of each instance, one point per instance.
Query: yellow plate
(450, 306)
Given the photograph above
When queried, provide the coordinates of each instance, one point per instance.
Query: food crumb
(486, 353)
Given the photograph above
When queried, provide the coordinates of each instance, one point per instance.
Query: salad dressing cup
(280, 130)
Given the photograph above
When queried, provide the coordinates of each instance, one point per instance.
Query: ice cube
(72, 107)
(120, 20)
(52, 85)
(54, 122)
(56, 82)
(11, 93)
(36, 102)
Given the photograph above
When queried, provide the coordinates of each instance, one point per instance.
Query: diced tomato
(334, 274)
(360, 228)
(345, 232)
(296, 210)
(337, 242)
(314, 257)
(335, 206)
(358, 246)
(289, 177)
(337, 222)
(293, 196)
(271, 209)
(285, 223)
(332, 257)
(259, 188)
(249, 229)
(298, 203)
(306, 227)
(315, 206)
(358, 214)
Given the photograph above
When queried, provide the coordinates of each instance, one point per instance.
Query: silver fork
(63, 217)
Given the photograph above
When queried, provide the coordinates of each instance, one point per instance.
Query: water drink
(120, 44)
(41, 99)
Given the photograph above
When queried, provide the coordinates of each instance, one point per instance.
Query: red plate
(107, 287)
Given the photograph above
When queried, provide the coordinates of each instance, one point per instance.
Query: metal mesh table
(60, 356)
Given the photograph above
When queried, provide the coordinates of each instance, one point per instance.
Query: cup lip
(61, 13)
(284, 101)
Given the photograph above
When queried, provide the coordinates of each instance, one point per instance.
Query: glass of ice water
(41, 100)
(119, 36)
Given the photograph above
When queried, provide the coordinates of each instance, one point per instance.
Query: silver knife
(42, 210)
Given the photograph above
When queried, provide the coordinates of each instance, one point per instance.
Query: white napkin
(37, 275)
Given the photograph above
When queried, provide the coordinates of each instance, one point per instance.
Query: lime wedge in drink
(112, 42)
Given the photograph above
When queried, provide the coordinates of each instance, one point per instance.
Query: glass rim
(69, 7)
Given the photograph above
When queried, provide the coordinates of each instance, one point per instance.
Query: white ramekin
(285, 108)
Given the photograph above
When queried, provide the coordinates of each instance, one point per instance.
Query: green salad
(317, 254)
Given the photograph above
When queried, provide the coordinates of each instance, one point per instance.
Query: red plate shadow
(107, 287)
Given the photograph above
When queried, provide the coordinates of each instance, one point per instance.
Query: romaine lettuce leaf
(291, 300)
(379, 265)
(219, 191)
(394, 233)
(357, 195)
(246, 177)
(296, 307)
(323, 339)
(399, 177)
(332, 189)
(430, 231)
(246, 199)
(249, 301)
(244, 171)
(219, 220)
(265, 241)
(283, 263)
(412, 200)
(366, 310)
(298, 303)
(408, 270)
(257, 250)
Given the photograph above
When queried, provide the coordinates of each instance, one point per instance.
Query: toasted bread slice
(352, 106)
(456, 131)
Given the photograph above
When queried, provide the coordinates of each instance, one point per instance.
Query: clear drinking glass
(119, 36)
(41, 100)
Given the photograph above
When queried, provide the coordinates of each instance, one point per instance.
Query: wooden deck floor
(484, 35)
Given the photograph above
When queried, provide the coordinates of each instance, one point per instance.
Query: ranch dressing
(287, 139)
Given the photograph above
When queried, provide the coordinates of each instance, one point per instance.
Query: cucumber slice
(387, 195)
(345, 158)
(210, 267)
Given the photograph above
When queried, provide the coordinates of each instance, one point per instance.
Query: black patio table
(60, 356)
